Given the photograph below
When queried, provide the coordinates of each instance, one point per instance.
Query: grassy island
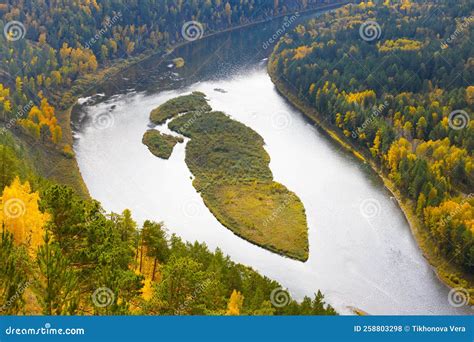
(182, 104)
(161, 145)
(231, 172)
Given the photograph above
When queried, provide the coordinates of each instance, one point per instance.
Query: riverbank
(85, 85)
(443, 268)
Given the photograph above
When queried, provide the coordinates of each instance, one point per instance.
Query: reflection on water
(362, 253)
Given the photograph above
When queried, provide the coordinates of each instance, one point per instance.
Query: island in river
(232, 174)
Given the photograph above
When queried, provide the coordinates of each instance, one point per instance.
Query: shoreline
(426, 247)
(438, 263)
(83, 86)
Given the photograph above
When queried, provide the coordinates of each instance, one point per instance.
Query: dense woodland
(62, 41)
(59, 250)
(404, 96)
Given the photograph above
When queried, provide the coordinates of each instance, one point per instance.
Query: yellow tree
(234, 306)
(228, 12)
(470, 95)
(20, 214)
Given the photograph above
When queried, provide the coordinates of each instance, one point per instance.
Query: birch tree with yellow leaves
(20, 214)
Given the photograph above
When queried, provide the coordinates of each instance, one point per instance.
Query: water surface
(362, 253)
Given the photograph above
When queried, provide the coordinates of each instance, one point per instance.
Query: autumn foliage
(21, 215)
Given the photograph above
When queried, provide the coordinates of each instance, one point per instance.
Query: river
(362, 253)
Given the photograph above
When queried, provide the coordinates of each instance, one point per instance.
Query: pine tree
(154, 238)
(13, 274)
(57, 284)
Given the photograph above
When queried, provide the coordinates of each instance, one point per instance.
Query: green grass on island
(161, 145)
(182, 104)
(232, 175)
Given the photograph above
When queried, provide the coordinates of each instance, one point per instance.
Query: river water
(362, 253)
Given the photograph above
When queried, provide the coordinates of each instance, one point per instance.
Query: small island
(232, 174)
(161, 145)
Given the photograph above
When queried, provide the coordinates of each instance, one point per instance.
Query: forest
(394, 80)
(53, 51)
(62, 254)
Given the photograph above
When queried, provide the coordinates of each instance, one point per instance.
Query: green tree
(14, 268)
(183, 287)
(154, 238)
(56, 285)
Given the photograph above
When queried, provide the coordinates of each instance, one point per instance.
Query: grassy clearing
(161, 145)
(231, 172)
(182, 104)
